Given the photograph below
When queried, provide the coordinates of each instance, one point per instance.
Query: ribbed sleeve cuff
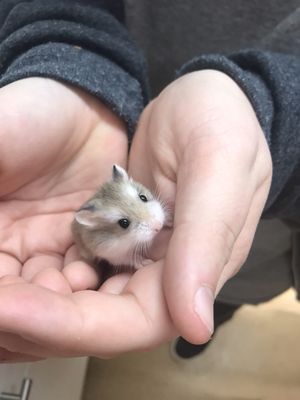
(95, 74)
(81, 45)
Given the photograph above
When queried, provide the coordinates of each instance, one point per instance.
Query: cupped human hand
(57, 145)
(128, 313)
(200, 145)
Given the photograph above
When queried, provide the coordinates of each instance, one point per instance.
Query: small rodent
(119, 222)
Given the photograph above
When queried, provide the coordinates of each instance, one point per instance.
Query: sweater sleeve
(79, 42)
(272, 83)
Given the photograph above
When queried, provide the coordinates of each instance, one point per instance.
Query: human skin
(201, 146)
(199, 142)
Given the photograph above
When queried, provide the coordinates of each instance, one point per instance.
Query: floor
(255, 356)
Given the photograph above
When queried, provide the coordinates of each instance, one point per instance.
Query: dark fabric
(267, 271)
(171, 32)
(77, 42)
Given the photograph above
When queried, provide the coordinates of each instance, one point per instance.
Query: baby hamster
(119, 222)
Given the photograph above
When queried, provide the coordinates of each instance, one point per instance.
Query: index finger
(89, 322)
(214, 193)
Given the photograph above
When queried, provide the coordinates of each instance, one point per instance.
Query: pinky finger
(15, 348)
(82, 276)
(9, 265)
(7, 357)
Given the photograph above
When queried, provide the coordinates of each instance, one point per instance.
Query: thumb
(212, 204)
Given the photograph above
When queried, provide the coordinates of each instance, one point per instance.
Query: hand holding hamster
(196, 123)
(119, 222)
(201, 144)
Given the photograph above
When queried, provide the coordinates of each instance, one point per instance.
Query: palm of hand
(56, 148)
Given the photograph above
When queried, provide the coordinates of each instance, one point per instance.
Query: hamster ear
(87, 215)
(119, 173)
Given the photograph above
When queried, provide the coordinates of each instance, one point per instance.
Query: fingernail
(204, 301)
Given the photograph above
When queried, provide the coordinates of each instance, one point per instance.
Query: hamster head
(121, 220)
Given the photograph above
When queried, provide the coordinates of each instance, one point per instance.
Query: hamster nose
(156, 226)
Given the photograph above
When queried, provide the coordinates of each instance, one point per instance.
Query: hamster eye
(143, 198)
(124, 223)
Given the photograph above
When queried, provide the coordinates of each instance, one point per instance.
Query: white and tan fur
(96, 228)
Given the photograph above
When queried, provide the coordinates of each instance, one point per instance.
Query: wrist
(206, 104)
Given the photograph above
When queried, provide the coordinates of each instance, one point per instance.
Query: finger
(38, 315)
(72, 254)
(209, 217)
(140, 313)
(10, 279)
(18, 348)
(79, 274)
(115, 284)
(82, 276)
(88, 322)
(9, 265)
(12, 357)
(13, 347)
(52, 279)
(36, 264)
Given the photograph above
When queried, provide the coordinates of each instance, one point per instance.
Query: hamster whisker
(167, 205)
(156, 191)
(139, 253)
(157, 194)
